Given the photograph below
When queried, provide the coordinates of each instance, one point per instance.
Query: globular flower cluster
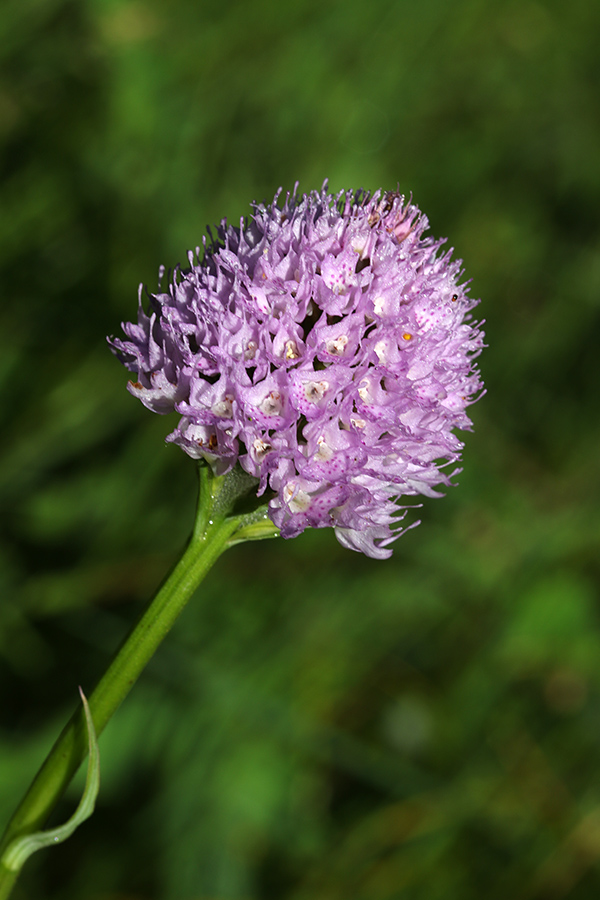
(327, 347)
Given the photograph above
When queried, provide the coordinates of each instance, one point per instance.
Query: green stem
(214, 531)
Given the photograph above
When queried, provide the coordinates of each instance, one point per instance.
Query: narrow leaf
(21, 848)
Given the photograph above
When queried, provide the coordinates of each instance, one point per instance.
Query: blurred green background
(318, 726)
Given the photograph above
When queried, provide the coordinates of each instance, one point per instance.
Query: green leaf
(19, 851)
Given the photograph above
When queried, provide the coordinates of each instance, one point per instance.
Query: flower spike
(326, 346)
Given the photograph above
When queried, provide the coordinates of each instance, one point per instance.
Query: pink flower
(327, 347)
